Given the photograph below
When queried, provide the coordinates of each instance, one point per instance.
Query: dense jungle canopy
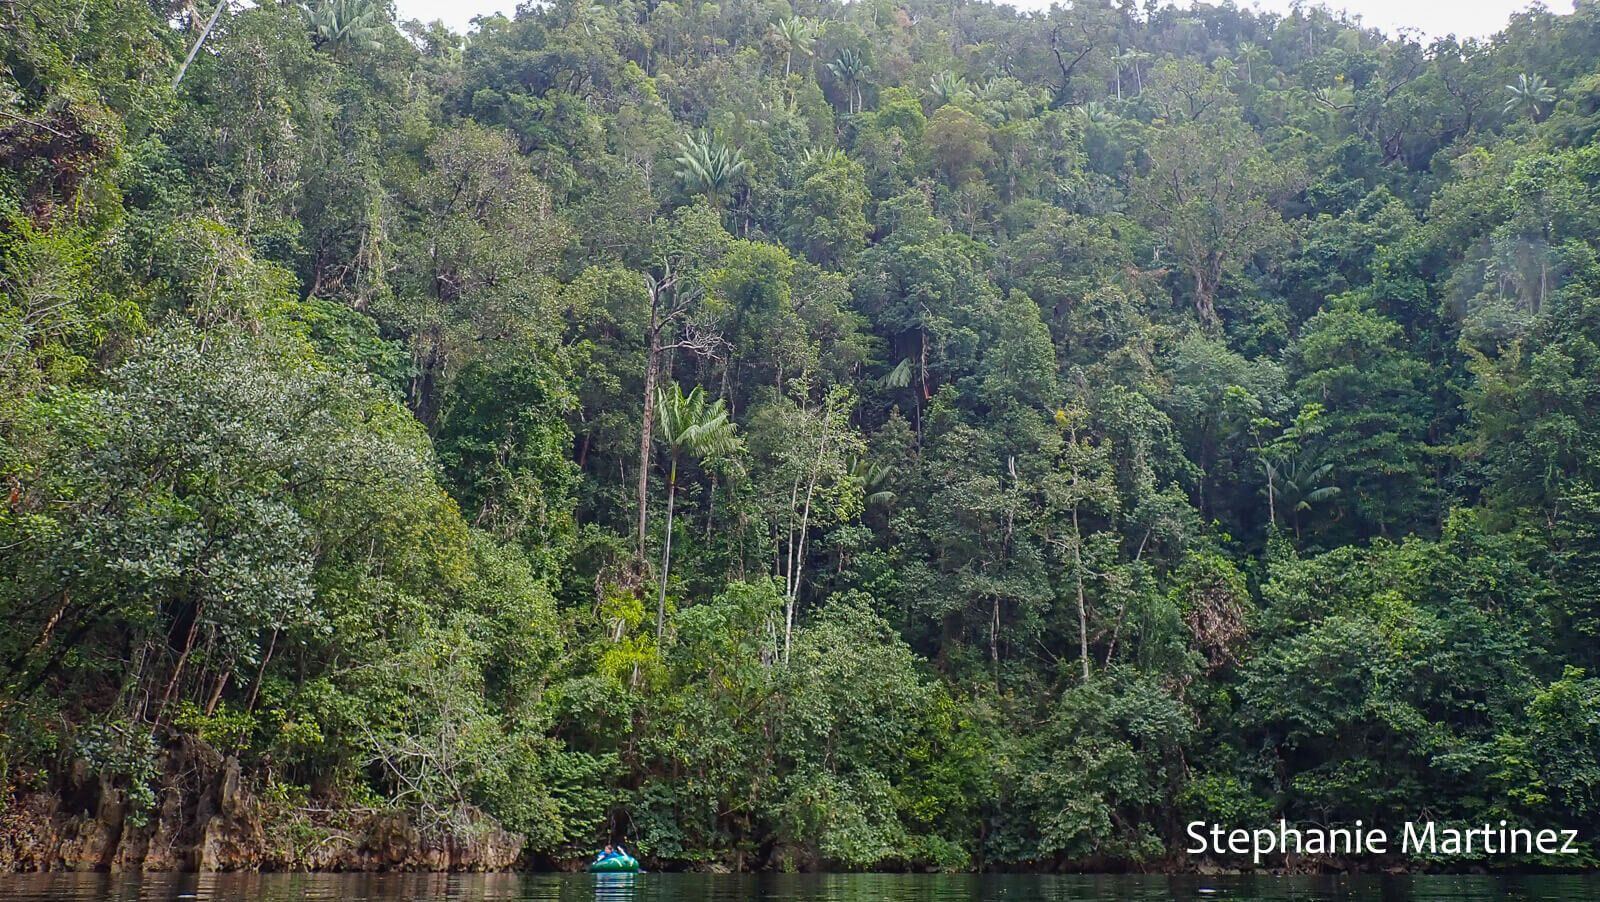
(898, 433)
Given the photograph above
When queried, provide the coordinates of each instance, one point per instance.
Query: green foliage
(123, 753)
(346, 23)
(1529, 94)
(827, 212)
(224, 728)
(504, 438)
(797, 35)
(691, 426)
(1095, 778)
(1141, 416)
(709, 167)
(849, 69)
(56, 312)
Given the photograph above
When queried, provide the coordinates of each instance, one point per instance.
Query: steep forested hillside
(880, 434)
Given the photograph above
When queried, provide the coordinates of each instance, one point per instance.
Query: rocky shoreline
(207, 819)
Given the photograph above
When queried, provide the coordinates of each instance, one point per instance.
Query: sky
(1434, 18)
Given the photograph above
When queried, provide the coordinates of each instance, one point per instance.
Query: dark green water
(783, 888)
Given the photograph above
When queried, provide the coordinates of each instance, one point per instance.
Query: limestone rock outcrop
(207, 819)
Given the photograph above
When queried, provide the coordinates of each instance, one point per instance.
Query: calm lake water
(781, 888)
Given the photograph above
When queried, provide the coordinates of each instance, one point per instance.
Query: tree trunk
(1116, 632)
(1204, 291)
(787, 565)
(1083, 609)
(797, 561)
(261, 672)
(216, 695)
(647, 428)
(44, 637)
(177, 670)
(711, 507)
(1272, 502)
(994, 639)
(795, 570)
(666, 553)
(922, 373)
(193, 51)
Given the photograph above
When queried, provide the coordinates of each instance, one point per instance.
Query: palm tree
(948, 86)
(851, 70)
(1224, 67)
(1529, 93)
(345, 23)
(709, 167)
(1119, 62)
(1248, 55)
(872, 478)
(795, 34)
(688, 426)
(1134, 58)
(822, 157)
(1298, 481)
(1094, 111)
(590, 17)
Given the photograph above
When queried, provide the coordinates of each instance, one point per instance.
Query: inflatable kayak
(615, 864)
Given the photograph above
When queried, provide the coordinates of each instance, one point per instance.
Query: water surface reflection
(781, 888)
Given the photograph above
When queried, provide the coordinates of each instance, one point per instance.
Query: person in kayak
(610, 852)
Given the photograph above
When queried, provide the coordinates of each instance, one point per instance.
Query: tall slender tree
(797, 34)
(671, 300)
(850, 68)
(689, 426)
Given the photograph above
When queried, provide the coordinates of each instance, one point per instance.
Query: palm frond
(690, 425)
(900, 376)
